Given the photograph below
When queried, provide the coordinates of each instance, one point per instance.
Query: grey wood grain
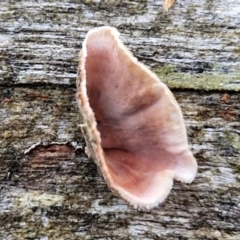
(49, 189)
(40, 40)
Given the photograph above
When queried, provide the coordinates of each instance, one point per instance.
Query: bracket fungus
(132, 124)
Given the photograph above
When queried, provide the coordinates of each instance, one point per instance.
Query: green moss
(233, 139)
(204, 81)
(237, 49)
(36, 198)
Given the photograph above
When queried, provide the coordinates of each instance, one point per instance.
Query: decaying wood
(49, 189)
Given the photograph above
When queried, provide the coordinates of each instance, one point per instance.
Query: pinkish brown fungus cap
(132, 124)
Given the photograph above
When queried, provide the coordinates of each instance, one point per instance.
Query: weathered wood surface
(53, 191)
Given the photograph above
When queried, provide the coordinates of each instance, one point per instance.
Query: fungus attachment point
(132, 124)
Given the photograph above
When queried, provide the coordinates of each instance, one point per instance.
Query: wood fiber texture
(48, 187)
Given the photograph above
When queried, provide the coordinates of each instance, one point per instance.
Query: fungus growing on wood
(132, 124)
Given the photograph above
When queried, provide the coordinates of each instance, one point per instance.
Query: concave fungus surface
(132, 124)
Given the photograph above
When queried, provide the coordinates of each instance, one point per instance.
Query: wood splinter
(167, 4)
